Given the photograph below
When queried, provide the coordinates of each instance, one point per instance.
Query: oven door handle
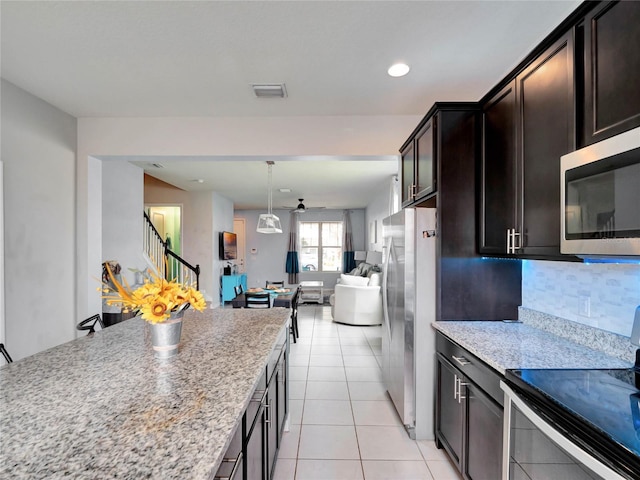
(569, 447)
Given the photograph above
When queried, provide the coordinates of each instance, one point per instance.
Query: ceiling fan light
(268, 223)
(300, 208)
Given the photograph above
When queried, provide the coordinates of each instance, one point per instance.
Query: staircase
(164, 262)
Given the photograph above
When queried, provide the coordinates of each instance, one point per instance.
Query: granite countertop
(103, 406)
(506, 346)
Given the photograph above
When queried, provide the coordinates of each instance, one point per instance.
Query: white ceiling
(199, 58)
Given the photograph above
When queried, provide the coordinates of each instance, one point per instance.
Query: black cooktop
(598, 409)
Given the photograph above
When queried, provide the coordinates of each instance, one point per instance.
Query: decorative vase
(165, 336)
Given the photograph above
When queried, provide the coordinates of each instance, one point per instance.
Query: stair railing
(167, 264)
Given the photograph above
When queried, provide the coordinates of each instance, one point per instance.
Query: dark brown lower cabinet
(254, 449)
(483, 459)
(271, 425)
(232, 467)
(468, 418)
(450, 413)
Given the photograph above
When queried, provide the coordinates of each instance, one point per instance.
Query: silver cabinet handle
(461, 360)
(458, 384)
(519, 246)
(267, 409)
(511, 240)
(237, 462)
(455, 386)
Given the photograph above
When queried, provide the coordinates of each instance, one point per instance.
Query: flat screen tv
(228, 246)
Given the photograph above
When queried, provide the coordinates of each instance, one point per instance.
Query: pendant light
(268, 222)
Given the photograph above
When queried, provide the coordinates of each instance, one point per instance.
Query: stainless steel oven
(600, 198)
(571, 425)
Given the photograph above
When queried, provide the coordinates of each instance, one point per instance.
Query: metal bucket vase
(165, 336)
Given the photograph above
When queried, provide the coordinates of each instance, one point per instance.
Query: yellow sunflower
(155, 300)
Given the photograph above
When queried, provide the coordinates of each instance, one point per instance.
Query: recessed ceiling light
(284, 190)
(398, 70)
(197, 180)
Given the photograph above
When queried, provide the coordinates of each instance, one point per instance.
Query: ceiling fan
(301, 208)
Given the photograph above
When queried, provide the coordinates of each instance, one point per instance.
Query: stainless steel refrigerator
(409, 299)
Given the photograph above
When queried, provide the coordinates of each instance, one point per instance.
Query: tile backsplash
(601, 295)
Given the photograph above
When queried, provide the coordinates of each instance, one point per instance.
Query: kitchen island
(103, 406)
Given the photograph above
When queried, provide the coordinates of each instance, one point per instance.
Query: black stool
(5, 354)
(90, 324)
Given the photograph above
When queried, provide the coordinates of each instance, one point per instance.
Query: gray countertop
(506, 346)
(104, 407)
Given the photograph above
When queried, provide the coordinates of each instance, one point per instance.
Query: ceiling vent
(270, 90)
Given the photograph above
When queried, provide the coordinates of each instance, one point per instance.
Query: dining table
(281, 299)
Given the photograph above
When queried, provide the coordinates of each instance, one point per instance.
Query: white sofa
(358, 300)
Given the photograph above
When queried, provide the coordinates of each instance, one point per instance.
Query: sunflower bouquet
(155, 300)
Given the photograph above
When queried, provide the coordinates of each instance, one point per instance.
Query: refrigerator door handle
(385, 286)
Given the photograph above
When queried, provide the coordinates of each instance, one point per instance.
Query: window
(321, 246)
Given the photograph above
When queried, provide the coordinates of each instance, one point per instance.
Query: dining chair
(90, 324)
(5, 354)
(238, 289)
(275, 284)
(257, 300)
(293, 329)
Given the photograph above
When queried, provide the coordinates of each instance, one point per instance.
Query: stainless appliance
(577, 424)
(600, 198)
(409, 301)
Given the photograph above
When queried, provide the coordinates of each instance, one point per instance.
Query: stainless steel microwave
(600, 198)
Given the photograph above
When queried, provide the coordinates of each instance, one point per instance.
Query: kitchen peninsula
(103, 406)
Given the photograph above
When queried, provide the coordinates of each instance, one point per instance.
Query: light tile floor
(343, 424)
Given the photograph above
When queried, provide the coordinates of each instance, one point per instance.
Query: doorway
(167, 221)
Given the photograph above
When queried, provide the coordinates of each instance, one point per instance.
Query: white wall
(558, 287)
(270, 260)
(197, 227)
(379, 208)
(122, 208)
(208, 136)
(222, 220)
(39, 152)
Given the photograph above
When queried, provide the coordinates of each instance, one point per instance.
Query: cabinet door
(449, 411)
(254, 448)
(408, 179)
(546, 115)
(498, 187)
(425, 164)
(271, 426)
(611, 70)
(483, 436)
(282, 394)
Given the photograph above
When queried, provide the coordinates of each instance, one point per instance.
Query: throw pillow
(365, 268)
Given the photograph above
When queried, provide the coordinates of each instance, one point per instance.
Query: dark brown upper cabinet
(498, 182)
(527, 127)
(611, 71)
(419, 165)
